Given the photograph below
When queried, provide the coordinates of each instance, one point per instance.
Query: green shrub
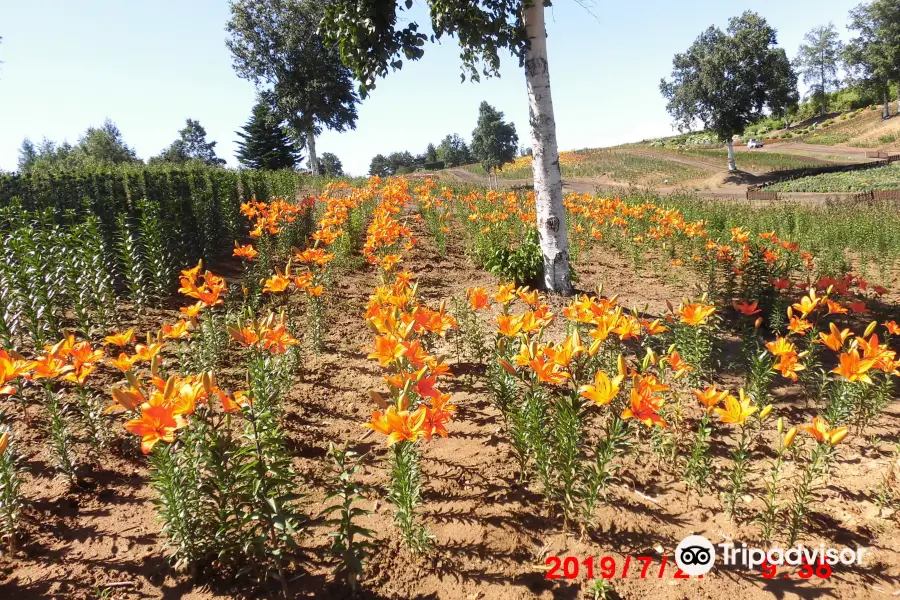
(524, 265)
(434, 166)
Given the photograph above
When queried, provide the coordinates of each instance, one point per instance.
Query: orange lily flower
(853, 368)
(509, 325)
(157, 424)
(788, 364)
(736, 411)
(387, 350)
(438, 415)
(835, 339)
(644, 408)
(49, 366)
(247, 251)
(834, 308)
(695, 314)
(710, 397)
(193, 310)
(892, 327)
(399, 425)
(179, 330)
(120, 339)
(819, 429)
(799, 326)
(478, 298)
(781, 346)
(604, 389)
(677, 364)
(147, 352)
(277, 339)
(807, 303)
(276, 283)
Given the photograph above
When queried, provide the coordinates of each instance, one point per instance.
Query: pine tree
(265, 144)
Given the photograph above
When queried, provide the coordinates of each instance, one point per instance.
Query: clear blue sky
(149, 65)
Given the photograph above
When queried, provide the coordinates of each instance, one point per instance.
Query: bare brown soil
(492, 534)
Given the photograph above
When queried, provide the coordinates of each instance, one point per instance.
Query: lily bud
(780, 425)
(506, 366)
(207, 380)
(838, 436)
(789, 438)
(623, 366)
(669, 306)
(765, 412)
(4, 441)
(170, 387)
(870, 328)
(758, 323)
(154, 365)
(378, 399)
(132, 380)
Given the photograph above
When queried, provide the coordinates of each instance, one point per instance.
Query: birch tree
(276, 44)
(372, 39)
(727, 80)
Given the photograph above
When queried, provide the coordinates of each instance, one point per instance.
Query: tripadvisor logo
(696, 555)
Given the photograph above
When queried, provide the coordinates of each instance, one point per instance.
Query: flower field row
(579, 392)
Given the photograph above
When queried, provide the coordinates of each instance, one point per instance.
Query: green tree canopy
(264, 142)
(277, 45)
(97, 147)
(431, 154)
(454, 151)
(190, 145)
(817, 60)
(873, 54)
(330, 165)
(726, 80)
(494, 142)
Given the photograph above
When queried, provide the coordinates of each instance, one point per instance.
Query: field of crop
(269, 385)
(877, 178)
(755, 162)
(623, 167)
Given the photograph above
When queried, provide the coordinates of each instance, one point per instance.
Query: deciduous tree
(190, 145)
(494, 142)
(330, 165)
(818, 60)
(277, 45)
(873, 55)
(373, 38)
(454, 151)
(726, 80)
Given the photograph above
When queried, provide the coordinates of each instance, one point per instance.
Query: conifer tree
(265, 144)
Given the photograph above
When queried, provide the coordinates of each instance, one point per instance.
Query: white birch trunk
(551, 214)
(311, 145)
(731, 165)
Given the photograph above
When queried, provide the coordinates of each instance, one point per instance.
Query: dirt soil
(491, 533)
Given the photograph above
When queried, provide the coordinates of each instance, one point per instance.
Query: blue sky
(150, 65)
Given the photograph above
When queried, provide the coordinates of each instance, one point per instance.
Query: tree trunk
(731, 164)
(551, 214)
(311, 145)
(886, 109)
